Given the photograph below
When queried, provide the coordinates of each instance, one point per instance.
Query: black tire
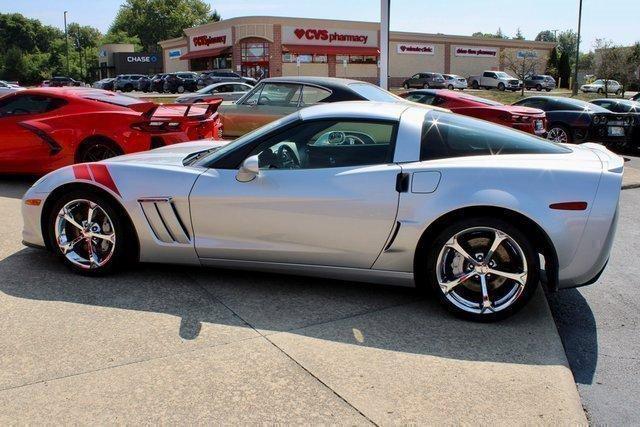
(450, 87)
(181, 89)
(97, 149)
(122, 251)
(538, 88)
(618, 92)
(501, 87)
(433, 248)
(600, 91)
(548, 90)
(128, 88)
(475, 85)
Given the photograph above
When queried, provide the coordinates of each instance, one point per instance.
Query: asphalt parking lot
(172, 344)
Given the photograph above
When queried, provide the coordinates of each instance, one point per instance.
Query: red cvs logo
(312, 34)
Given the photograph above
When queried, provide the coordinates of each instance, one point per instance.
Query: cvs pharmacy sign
(329, 36)
(210, 40)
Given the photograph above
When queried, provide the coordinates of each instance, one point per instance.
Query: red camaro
(44, 129)
(526, 119)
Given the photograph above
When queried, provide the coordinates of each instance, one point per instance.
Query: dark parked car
(127, 82)
(63, 81)
(539, 82)
(425, 81)
(572, 121)
(157, 83)
(105, 84)
(218, 76)
(185, 81)
(144, 84)
(276, 97)
(624, 106)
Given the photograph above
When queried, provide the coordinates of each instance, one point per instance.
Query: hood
(170, 155)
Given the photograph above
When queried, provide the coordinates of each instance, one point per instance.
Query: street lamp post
(384, 43)
(575, 71)
(66, 40)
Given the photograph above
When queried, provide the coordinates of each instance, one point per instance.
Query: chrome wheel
(558, 135)
(85, 234)
(481, 270)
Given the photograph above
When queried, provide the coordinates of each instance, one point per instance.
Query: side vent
(164, 220)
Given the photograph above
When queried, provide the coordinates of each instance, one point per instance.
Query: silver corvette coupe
(386, 193)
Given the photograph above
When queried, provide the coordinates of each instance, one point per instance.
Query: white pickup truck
(494, 80)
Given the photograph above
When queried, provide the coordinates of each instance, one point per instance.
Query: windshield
(373, 93)
(247, 138)
(502, 74)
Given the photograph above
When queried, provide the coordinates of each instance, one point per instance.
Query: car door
(20, 147)
(325, 195)
(265, 103)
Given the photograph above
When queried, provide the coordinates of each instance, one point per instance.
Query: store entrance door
(255, 70)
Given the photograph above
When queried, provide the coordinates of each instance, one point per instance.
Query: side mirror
(249, 169)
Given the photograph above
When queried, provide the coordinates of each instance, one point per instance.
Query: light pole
(384, 43)
(66, 40)
(575, 71)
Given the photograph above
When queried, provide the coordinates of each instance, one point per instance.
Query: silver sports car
(375, 192)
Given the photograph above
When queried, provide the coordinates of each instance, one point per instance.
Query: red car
(44, 129)
(526, 119)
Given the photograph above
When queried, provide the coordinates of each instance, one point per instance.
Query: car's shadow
(389, 318)
(14, 186)
(578, 331)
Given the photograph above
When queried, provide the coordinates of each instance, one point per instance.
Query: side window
(446, 135)
(421, 98)
(29, 104)
(415, 76)
(240, 88)
(280, 94)
(312, 95)
(487, 74)
(328, 144)
(226, 88)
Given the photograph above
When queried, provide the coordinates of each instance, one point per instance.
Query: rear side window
(312, 95)
(446, 135)
(539, 103)
(29, 104)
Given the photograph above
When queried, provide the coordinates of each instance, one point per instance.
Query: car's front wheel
(501, 87)
(88, 233)
(482, 269)
(180, 89)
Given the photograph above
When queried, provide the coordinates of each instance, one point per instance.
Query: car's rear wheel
(600, 90)
(450, 87)
(538, 88)
(475, 85)
(482, 269)
(96, 150)
(559, 133)
(180, 89)
(88, 233)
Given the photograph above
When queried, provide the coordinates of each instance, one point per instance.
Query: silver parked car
(7, 88)
(228, 91)
(540, 82)
(602, 85)
(376, 192)
(453, 81)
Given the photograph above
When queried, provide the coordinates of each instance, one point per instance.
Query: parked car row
(178, 82)
(487, 80)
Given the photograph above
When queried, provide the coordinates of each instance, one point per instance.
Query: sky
(616, 20)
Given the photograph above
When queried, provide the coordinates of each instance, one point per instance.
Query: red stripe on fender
(569, 206)
(102, 176)
(82, 172)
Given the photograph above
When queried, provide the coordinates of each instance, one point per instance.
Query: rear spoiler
(148, 109)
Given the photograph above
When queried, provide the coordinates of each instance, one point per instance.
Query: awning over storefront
(207, 53)
(330, 50)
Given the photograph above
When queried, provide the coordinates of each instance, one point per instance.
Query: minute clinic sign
(416, 49)
(329, 36)
(210, 40)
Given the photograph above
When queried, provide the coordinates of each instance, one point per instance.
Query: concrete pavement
(172, 344)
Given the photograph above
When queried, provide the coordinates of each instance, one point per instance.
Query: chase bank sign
(150, 59)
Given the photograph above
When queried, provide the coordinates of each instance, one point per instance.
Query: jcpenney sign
(329, 36)
(210, 40)
(478, 52)
(416, 49)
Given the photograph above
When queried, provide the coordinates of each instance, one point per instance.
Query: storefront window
(209, 63)
(255, 52)
(292, 57)
(357, 59)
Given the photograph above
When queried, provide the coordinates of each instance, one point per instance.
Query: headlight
(596, 120)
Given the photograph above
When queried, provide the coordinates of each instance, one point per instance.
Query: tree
(616, 63)
(155, 20)
(521, 63)
(498, 35)
(552, 68)
(564, 70)
(122, 37)
(519, 35)
(15, 67)
(546, 36)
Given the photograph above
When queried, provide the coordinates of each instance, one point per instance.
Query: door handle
(402, 182)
